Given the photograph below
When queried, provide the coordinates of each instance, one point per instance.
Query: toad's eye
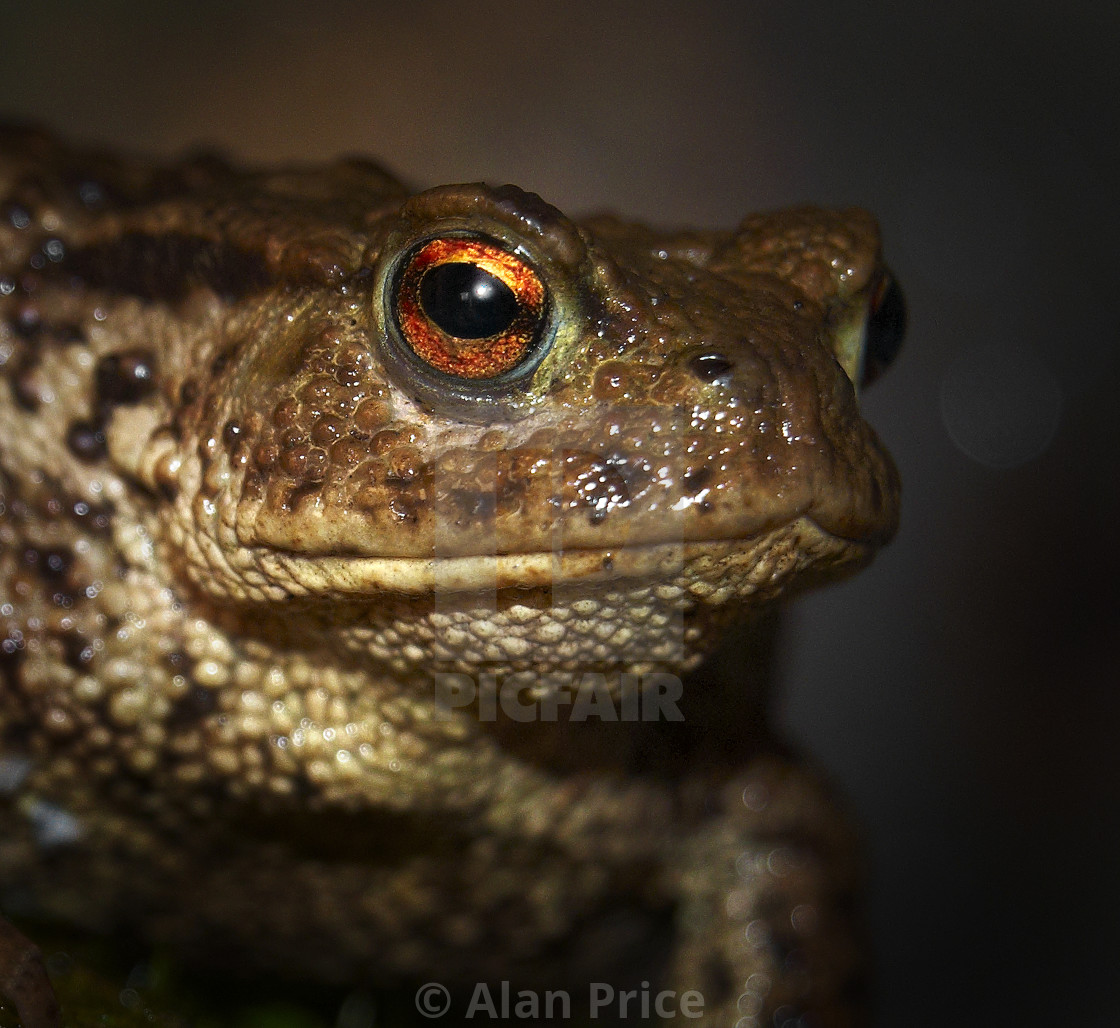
(886, 326)
(469, 308)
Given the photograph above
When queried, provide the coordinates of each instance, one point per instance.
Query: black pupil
(467, 302)
(885, 328)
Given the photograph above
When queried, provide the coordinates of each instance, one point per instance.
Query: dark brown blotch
(718, 981)
(26, 386)
(125, 377)
(220, 362)
(194, 706)
(77, 651)
(28, 322)
(12, 653)
(68, 334)
(53, 566)
(86, 441)
(694, 481)
(473, 505)
(166, 267)
(56, 563)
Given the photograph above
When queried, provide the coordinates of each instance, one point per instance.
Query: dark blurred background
(964, 691)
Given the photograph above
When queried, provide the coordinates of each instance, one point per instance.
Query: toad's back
(290, 461)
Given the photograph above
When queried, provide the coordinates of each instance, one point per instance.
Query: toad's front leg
(768, 926)
(24, 981)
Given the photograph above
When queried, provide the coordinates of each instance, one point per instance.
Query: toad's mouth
(540, 528)
(714, 570)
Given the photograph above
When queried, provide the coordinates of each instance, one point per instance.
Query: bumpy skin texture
(241, 531)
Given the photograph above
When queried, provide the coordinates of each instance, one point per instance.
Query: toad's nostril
(710, 367)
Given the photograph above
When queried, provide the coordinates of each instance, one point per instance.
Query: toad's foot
(767, 919)
(24, 981)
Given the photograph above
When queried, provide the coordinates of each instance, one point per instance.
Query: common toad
(353, 544)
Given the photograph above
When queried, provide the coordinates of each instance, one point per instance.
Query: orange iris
(470, 355)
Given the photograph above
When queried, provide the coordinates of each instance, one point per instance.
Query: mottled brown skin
(240, 533)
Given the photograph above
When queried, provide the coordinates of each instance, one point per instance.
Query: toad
(359, 551)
